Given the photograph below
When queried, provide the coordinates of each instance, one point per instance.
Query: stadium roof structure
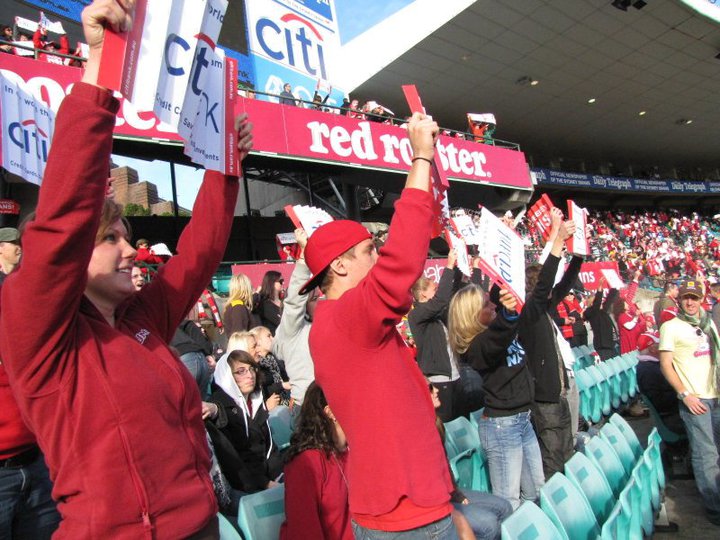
(653, 75)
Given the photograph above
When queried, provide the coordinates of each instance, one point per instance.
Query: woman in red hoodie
(116, 414)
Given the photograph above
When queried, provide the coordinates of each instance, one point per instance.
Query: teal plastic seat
(629, 522)
(629, 434)
(653, 450)
(470, 469)
(280, 421)
(616, 439)
(227, 531)
(666, 434)
(641, 476)
(610, 528)
(568, 508)
(632, 359)
(590, 396)
(475, 418)
(528, 522)
(261, 514)
(601, 454)
(613, 382)
(591, 481)
(462, 434)
(604, 389)
(623, 378)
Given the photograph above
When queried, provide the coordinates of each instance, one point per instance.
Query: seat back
(600, 453)
(463, 435)
(665, 432)
(588, 396)
(530, 523)
(630, 520)
(610, 526)
(475, 417)
(280, 421)
(613, 381)
(612, 435)
(261, 514)
(603, 389)
(591, 481)
(629, 434)
(227, 531)
(568, 508)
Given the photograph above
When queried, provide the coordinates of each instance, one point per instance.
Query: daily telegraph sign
(331, 138)
(594, 181)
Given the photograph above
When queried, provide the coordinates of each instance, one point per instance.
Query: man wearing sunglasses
(689, 357)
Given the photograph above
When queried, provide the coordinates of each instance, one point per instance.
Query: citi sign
(30, 138)
(295, 41)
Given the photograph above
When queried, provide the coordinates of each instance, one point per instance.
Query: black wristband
(423, 158)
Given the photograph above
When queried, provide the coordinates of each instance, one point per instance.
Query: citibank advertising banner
(614, 183)
(332, 138)
(295, 42)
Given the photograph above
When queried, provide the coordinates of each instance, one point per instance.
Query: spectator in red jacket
(41, 42)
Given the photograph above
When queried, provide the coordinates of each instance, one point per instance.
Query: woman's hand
(508, 301)
(423, 133)
(209, 410)
(451, 259)
(101, 14)
(272, 402)
(243, 128)
(286, 385)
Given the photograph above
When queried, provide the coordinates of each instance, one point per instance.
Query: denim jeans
(484, 512)
(704, 435)
(514, 459)
(26, 509)
(198, 368)
(443, 529)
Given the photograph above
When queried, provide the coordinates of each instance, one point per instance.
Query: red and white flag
(578, 243)
(502, 255)
(539, 216)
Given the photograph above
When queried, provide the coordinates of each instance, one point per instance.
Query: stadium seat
(629, 434)
(614, 383)
(604, 387)
(653, 451)
(616, 439)
(601, 454)
(618, 368)
(227, 531)
(475, 417)
(629, 522)
(666, 434)
(280, 421)
(568, 508)
(641, 476)
(591, 481)
(590, 397)
(261, 514)
(611, 527)
(462, 434)
(528, 522)
(470, 470)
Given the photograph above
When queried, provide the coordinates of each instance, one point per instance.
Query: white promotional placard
(458, 244)
(502, 254)
(27, 131)
(466, 229)
(308, 218)
(31, 26)
(612, 278)
(578, 243)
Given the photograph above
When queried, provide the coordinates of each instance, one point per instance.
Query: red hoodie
(115, 412)
(15, 437)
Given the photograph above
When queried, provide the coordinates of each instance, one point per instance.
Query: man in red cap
(689, 357)
(397, 473)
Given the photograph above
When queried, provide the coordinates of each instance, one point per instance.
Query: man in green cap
(9, 251)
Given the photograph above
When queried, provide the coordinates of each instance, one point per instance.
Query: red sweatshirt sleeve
(40, 299)
(181, 281)
(383, 297)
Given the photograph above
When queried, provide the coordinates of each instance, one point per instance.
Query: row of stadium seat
(606, 385)
(612, 491)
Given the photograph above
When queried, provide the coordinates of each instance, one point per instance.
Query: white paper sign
(308, 218)
(32, 26)
(611, 276)
(579, 243)
(458, 244)
(27, 131)
(502, 254)
(466, 228)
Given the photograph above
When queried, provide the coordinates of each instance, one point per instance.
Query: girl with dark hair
(269, 304)
(316, 496)
(237, 420)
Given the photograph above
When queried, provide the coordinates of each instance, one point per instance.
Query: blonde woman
(237, 314)
(488, 342)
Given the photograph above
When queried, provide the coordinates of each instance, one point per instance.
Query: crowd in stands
(148, 426)
(54, 49)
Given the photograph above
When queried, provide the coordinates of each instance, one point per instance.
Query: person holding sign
(544, 345)
(115, 412)
(397, 473)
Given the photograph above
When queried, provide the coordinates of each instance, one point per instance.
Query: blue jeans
(198, 368)
(26, 509)
(443, 529)
(704, 435)
(484, 512)
(513, 455)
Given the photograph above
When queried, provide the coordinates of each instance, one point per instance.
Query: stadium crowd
(117, 400)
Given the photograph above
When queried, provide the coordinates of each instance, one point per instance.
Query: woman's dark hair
(313, 429)
(267, 289)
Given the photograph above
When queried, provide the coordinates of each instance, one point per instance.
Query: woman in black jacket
(512, 450)
(238, 426)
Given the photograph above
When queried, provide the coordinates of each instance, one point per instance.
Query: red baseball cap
(329, 242)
